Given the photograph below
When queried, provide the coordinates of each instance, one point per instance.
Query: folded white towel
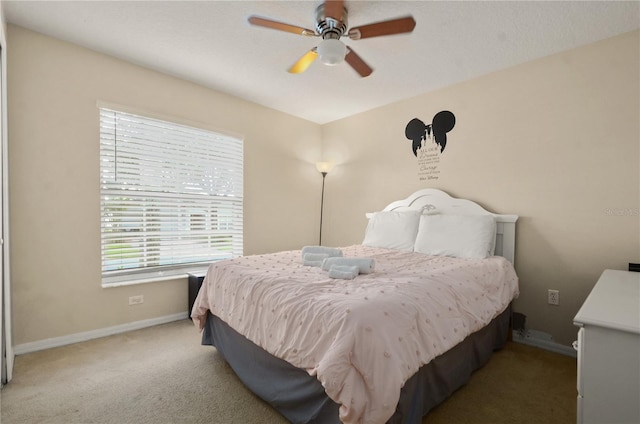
(314, 259)
(365, 265)
(344, 272)
(329, 251)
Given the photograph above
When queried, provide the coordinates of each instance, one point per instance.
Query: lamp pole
(323, 168)
(324, 174)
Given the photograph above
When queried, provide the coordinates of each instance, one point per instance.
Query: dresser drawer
(579, 346)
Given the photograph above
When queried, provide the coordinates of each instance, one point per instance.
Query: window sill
(152, 279)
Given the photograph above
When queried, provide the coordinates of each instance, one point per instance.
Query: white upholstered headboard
(437, 201)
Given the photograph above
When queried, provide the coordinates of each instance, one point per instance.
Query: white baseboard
(545, 344)
(95, 334)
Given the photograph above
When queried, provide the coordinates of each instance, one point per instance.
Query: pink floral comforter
(361, 338)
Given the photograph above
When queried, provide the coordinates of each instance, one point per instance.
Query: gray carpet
(163, 375)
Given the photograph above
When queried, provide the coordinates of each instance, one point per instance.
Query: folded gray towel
(344, 272)
(365, 265)
(329, 251)
(315, 256)
(314, 259)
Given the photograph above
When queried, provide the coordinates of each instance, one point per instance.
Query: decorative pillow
(392, 230)
(461, 236)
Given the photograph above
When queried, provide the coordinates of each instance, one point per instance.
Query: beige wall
(555, 141)
(54, 190)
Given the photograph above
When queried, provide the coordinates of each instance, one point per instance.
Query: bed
(384, 347)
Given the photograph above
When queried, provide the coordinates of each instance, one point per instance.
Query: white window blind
(171, 197)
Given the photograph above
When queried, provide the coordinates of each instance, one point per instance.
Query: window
(171, 197)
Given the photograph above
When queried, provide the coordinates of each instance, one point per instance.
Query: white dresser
(609, 351)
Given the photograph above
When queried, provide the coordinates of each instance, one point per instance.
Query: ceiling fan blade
(334, 9)
(393, 26)
(267, 23)
(301, 65)
(357, 63)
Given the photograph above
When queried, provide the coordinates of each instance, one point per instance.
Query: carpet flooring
(162, 375)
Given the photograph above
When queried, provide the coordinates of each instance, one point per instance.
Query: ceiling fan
(331, 25)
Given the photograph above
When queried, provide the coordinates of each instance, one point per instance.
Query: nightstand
(195, 281)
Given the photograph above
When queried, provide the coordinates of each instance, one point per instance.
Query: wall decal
(429, 141)
(442, 123)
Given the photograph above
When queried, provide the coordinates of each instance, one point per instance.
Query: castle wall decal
(429, 141)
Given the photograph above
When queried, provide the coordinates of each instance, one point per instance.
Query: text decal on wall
(429, 141)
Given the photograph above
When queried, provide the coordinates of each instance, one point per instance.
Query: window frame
(166, 200)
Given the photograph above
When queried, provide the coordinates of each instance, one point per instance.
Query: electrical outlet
(553, 297)
(136, 300)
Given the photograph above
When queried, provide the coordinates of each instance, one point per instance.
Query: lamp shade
(324, 167)
(331, 51)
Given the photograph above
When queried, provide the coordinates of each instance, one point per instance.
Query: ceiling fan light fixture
(331, 51)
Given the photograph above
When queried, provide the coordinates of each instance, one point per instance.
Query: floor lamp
(323, 168)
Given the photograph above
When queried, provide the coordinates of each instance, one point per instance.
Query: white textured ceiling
(211, 43)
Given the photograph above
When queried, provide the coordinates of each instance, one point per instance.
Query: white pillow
(392, 230)
(461, 236)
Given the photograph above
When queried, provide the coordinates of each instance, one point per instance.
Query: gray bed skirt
(301, 398)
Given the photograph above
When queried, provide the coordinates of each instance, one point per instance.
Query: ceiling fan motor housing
(330, 27)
